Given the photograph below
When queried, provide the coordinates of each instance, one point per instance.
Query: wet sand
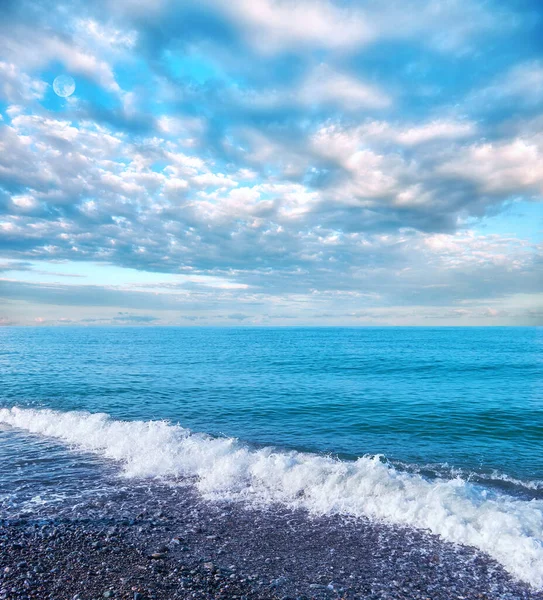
(166, 543)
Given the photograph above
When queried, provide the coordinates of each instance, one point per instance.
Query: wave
(508, 529)
(491, 478)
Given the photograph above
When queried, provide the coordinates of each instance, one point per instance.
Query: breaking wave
(508, 529)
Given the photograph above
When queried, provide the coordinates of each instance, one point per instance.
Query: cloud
(501, 168)
(324, 85)
(375, 270)
(335, 139)
(272, 26)
(32, 50)
(5, 322)
(126, 318)
(238, 317)
(522, 83)
(91, 194)
(306, 157)
(462, 23)
(17, 87)
(97, 33)
(15, 266)
(436, 130)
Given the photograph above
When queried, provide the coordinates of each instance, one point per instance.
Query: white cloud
(18, 87)
(31, 50)
(523, 83)
(294, 200)
(342, 140)
(24, 201)
(372, 174)
(181, 126)
(214, 180)
(321, 86)
(327, 86)
(273, 25)
(450, 26)
(107, 36)
(510, 167)
(526, 81)
(436, 130)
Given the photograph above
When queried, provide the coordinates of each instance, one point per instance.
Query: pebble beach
(182, 547)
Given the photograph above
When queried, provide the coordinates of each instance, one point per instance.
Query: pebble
(244, 554)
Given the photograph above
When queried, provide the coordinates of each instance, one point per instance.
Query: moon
(64, 86)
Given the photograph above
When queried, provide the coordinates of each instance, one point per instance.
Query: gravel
(166, 543)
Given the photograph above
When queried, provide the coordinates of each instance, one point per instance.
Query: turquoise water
(434, 428)
(464, 398)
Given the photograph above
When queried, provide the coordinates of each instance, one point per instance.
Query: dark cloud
(238, 317)
(15, 266)
(86, 295)
(126, 318)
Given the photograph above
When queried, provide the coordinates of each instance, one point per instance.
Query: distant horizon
(317, 162)
(259, 326)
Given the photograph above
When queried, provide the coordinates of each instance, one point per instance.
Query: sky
(271, 162)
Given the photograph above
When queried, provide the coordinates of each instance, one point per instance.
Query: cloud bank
(271, 162)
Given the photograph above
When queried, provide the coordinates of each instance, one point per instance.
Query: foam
(444, 470)
(507, 528)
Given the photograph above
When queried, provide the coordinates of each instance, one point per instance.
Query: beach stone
(371, 562)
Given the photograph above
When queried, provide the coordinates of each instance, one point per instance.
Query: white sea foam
(508, 529)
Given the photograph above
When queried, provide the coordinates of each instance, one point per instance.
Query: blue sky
(262, 162)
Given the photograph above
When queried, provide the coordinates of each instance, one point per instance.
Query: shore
(178, 546)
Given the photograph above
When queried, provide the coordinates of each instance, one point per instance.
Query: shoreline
(164, 542)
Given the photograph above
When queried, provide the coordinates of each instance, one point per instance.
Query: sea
(437, 429)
